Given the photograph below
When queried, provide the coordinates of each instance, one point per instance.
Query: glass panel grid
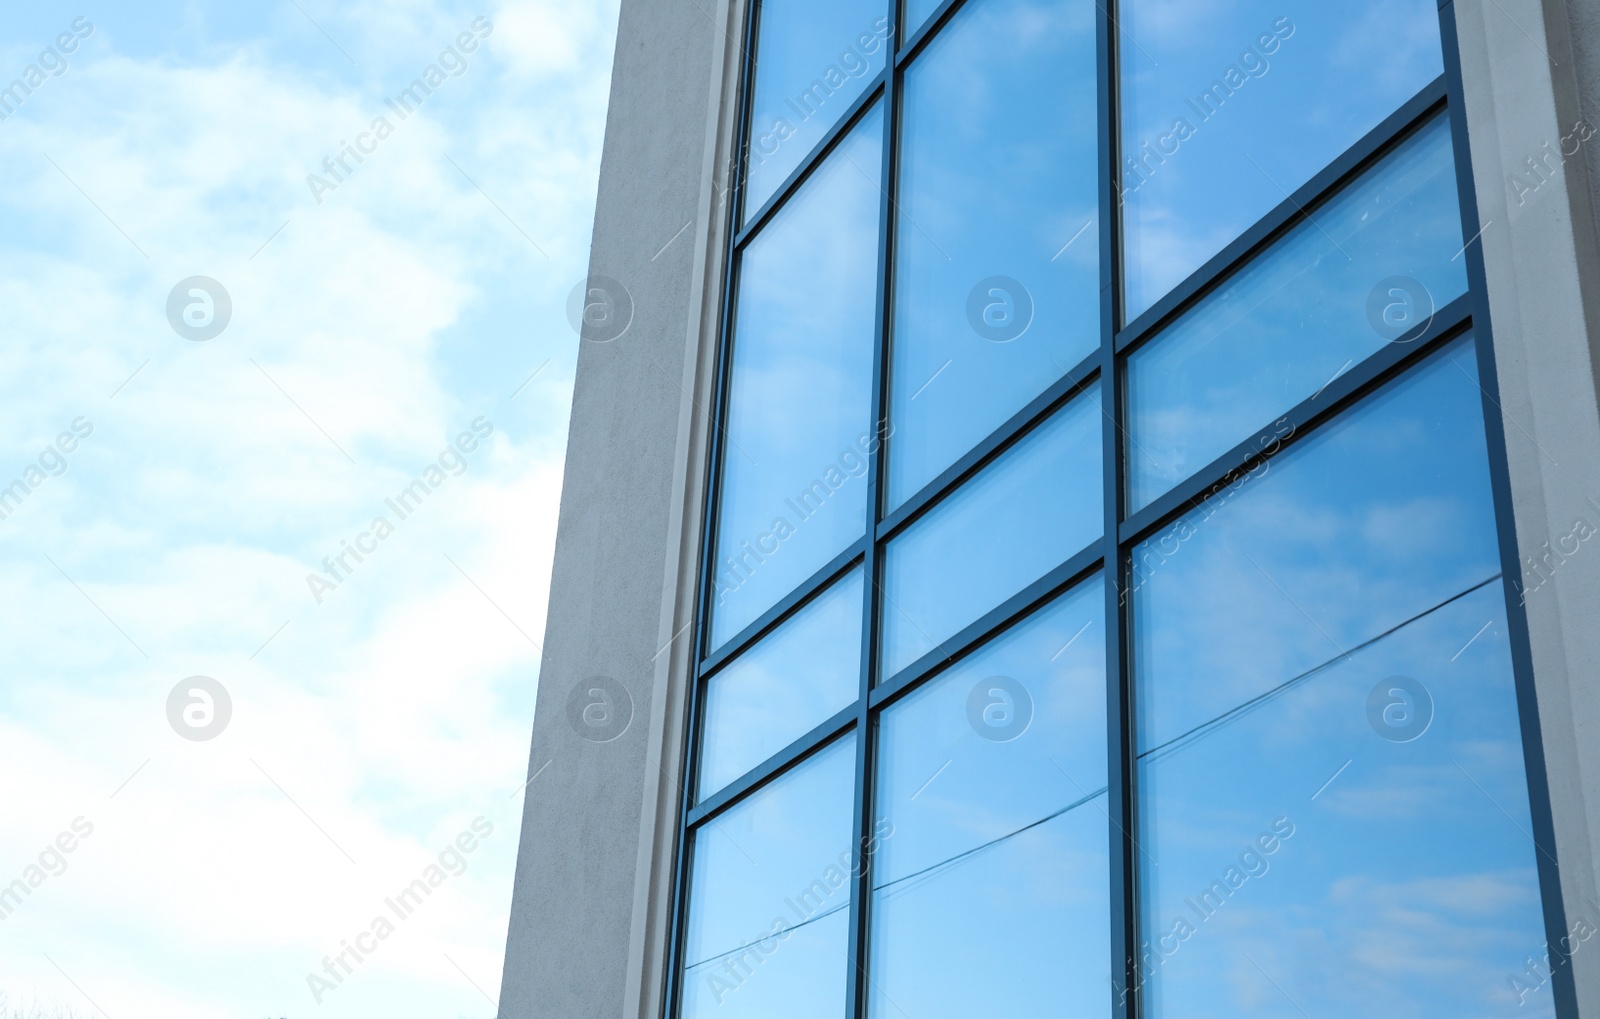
(996, 270)
(1026, 512)
(1377, 262)
(1128, 529)
(1229, 108)
(814, 59)
(797, 418)
(792, 680)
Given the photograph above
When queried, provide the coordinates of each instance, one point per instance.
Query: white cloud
(392, 315)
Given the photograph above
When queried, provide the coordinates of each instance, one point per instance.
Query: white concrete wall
(588, 917)
(1523, 86)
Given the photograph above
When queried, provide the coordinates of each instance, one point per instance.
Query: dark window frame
(1122, 531)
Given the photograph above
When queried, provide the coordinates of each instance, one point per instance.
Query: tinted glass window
(1370, 267)
(767, 902)
(1228, 109)
(997, 274)
(792, 680)
(1308, 678)
(1330, 766)
(798, 430)
(813, 59)
(916, 14)
(992, 849)
(1026, 513)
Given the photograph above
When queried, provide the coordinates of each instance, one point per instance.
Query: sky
(189, 452)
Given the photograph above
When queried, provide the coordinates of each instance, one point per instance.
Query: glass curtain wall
(1109, 606)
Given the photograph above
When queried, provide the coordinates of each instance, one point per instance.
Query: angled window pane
(768, 898)
(916, 12)
(1380, 515)
(1333, 796)
(813, 59)
(992, 833)
(1024, 514)
(794, 679)
(1373, 263)
(798, 428)
(1226, 110)
(997, 274)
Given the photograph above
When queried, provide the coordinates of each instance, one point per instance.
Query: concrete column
(590, 904)
(1523, 86)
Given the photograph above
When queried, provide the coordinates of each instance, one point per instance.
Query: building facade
(1078, 508)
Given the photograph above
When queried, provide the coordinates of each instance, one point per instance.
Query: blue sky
(368, 330)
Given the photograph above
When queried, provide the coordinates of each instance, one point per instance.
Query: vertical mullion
(1125, 968)
(722, 369)
(1562, 985)
(866, 732)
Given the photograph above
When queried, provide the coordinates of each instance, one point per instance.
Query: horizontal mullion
(808, 165)
(1304, 417)
(1292, 211)
(775, 765)
(791, 603)
(997, 442)
(1036, 594)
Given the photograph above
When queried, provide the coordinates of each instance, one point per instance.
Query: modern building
(1079, 508)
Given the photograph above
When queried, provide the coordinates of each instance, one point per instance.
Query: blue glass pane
(1375, 262)
(1227, 109)
(794, 679)
(991, 883)
(1024, 514)
(768, 898)
(1333, 798)
(798, 427)
(1380, 516)
(916, 12)
(997, 255)
(813, 59)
